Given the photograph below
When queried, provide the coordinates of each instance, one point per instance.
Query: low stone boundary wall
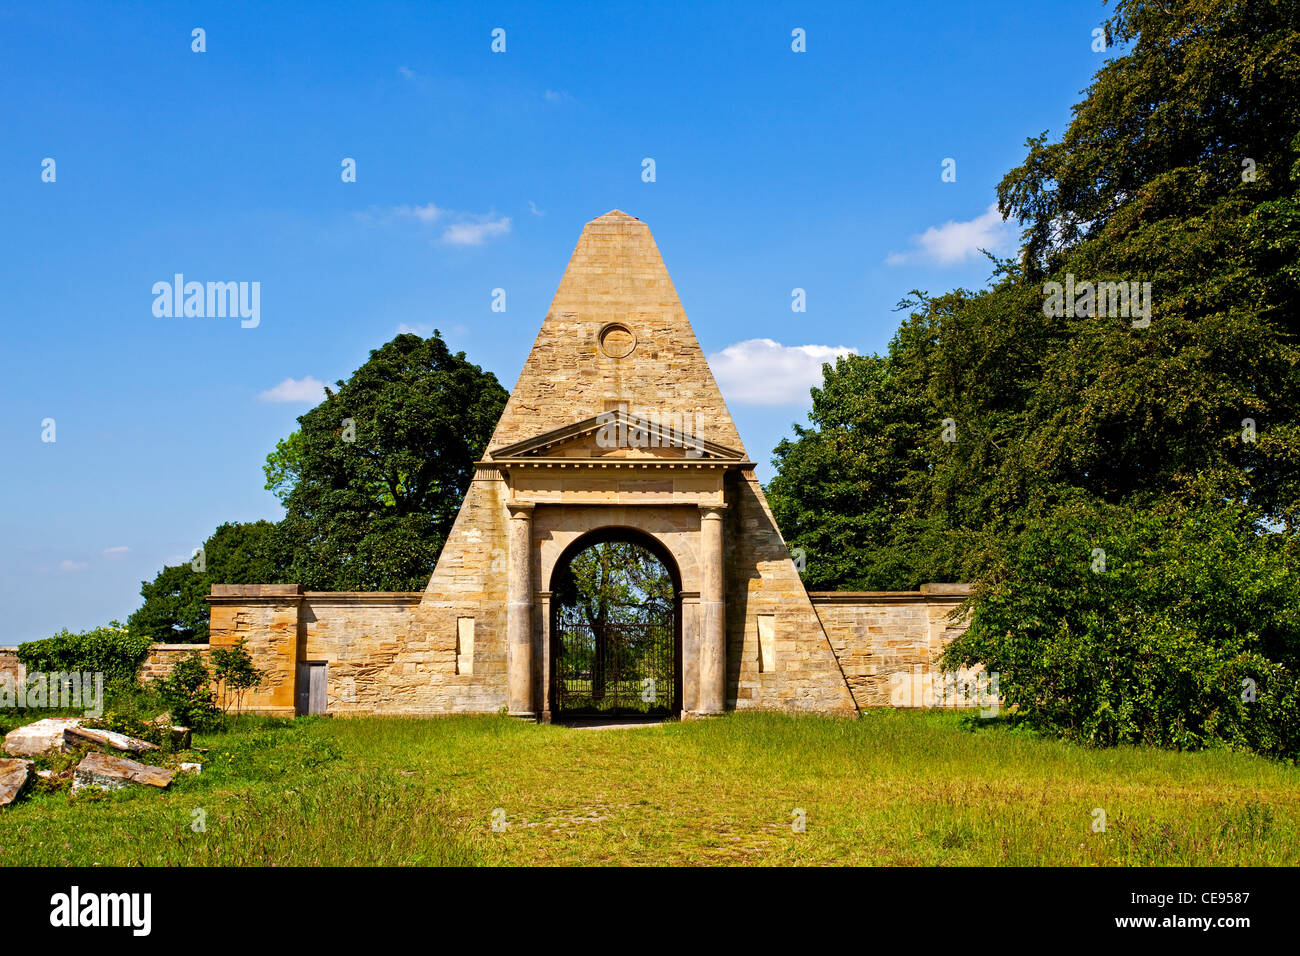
(158, 664)
(163, 657)
(11, 668)
(378, 659)
(883, 638)
(885, 641)
(361, 637)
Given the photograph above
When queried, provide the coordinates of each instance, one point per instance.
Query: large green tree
(175, 608)
(1003, 441)
(374, 476)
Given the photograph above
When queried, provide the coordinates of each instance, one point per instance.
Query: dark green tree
(374, 477)
(1181, 169)
(175, 608)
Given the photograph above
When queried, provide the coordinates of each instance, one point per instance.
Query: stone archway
(614, 662)
(616, 420)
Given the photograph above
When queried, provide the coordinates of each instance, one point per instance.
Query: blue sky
(475, 170)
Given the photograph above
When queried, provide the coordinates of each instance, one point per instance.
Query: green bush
(113, 650)
(1188, 636)
(187, 692)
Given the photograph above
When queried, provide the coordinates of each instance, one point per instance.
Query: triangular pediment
(620, 434)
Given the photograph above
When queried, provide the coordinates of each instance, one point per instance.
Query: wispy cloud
(306, 389)
(426, 213)
(460, 229)
(70, 565)
(532, 207)
(765, 372)
(477, 232)
(421, 81)
(119, 551)
(557, 96)
(955, 242)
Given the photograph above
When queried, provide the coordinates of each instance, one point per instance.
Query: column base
(701, 714)
(523, 715)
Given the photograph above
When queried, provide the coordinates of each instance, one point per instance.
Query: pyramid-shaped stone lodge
(616, 422)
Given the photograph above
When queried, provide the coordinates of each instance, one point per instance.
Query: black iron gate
(618, 670)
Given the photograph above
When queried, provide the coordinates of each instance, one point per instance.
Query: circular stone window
(617, 340)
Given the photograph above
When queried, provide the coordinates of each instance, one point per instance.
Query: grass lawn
(895, 787)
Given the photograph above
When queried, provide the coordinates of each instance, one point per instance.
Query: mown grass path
(893, 788)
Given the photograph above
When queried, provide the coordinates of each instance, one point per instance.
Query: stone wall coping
(350, 598)
(285, 594)
(941, 594)
(178, 647)
(935, 587)
(256, 590)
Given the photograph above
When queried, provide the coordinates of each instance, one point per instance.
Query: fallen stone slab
(44, 736)
(107, 738)
(194, 768)
(13, 778)
(114, 773)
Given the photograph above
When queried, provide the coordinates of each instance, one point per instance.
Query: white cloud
(532, 207)
(426, 213)
(305, 389)
(420, 329)
(116, 552)
(955, 242)
(462, 229)
(557, 96)
(765, 372)
(476, 233)
(67, 565)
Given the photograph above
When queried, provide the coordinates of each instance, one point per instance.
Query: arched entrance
(616, 628)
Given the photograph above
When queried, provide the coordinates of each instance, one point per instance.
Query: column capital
(713, 511)
(520, 509)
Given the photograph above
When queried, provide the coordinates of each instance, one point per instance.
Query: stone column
(713, 618)
(519, 611)
(690, 607)
(544, 650)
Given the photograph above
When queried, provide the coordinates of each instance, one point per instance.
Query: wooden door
(312, 682)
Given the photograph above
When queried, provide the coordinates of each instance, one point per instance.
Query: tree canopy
(371, 482)
(374, 476)
(175, 609)
(998, 437)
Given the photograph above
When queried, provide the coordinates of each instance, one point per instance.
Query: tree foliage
(112, 650)
(175, 609)
(614, 582)
(374, 476)
(999, 443)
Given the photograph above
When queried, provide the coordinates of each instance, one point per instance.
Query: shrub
(187, 692)
(235, 674)
(113, 650)
(1189, 637)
